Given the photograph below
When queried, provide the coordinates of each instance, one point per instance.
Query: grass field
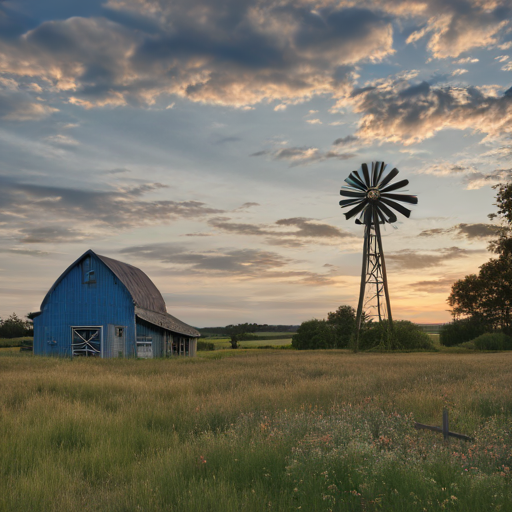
(253, 430)
(221, 343)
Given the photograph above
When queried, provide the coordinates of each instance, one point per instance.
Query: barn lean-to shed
(106, 308)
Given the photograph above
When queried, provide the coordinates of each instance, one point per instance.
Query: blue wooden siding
(74, 303)
(146, 331)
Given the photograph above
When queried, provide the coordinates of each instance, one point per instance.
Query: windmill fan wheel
(372, 196)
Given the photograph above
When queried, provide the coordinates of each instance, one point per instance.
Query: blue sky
(206, 142)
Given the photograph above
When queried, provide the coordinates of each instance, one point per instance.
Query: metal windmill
(373, 202)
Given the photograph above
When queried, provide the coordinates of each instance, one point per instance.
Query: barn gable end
(104, 307)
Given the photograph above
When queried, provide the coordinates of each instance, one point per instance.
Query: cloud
(29, 208)
(306, 228)
(310, 228)
(414, 260)
(19, 106)
(463, 230)
(440, 285)
(349, 140)
(236, 263)
(303, 155)
(236, 55)
(478, 180)
(235, 52)
(394, 110)
(466, 60)
(246, 206)
(53, 235)
(457, 27)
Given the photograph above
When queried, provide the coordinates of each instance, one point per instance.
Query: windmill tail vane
(373, 201)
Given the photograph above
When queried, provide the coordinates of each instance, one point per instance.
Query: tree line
(481, 303)
(16, 327)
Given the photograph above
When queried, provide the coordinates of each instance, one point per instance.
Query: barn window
(119, 332)
(90, 277)
(145, 346)
(88, 272)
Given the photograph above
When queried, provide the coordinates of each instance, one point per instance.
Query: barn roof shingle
(143, 291)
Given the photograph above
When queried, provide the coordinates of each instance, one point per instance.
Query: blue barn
(105, 308)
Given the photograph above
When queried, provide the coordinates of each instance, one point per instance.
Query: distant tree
(30, 323)
(13, 327)
(235, 332)
(343, 322)
(314, 334)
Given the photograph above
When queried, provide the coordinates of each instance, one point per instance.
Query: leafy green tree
(314, 334)
(486, 297)
(235, 332)
(343, 322)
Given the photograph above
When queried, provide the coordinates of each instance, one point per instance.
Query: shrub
(205, 345)
(405, 336)
(314, 334)
(343, 322)
(460, 331)
(493, 341)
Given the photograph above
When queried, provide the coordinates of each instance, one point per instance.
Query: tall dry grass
(255, 431)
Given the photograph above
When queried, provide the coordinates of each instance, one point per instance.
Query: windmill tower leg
(373, 295)
(359, 315)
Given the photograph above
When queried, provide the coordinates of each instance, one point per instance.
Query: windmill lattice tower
(373, 201)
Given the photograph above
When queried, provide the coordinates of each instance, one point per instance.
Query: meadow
(254, 430)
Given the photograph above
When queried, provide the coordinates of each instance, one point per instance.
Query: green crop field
(255, 430)
(221, 343)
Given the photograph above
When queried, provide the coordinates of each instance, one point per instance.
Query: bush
(205, 345)
(405, 336)
(460, 331)
(343, 322)
(493, 341)
(314, 334)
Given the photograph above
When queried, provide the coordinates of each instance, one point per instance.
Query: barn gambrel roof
(148, 301)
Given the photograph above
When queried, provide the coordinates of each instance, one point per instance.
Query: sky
(206, 141)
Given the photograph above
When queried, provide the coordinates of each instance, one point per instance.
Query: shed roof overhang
(167, 322)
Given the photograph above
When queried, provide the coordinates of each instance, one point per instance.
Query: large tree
(487, 296)
(236, 332)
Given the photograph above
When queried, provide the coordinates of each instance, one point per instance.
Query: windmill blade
(356, 210)
(380, 216)
(375, 173)
(366, 175)
(395, 186)
(391, 216)
(397, 207)
(388, 178)
(405, 198)
(354, 182)
(348, 202)
(350, 193)
(381, 173)
(356, 175)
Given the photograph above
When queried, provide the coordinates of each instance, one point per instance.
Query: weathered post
(446, 429)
